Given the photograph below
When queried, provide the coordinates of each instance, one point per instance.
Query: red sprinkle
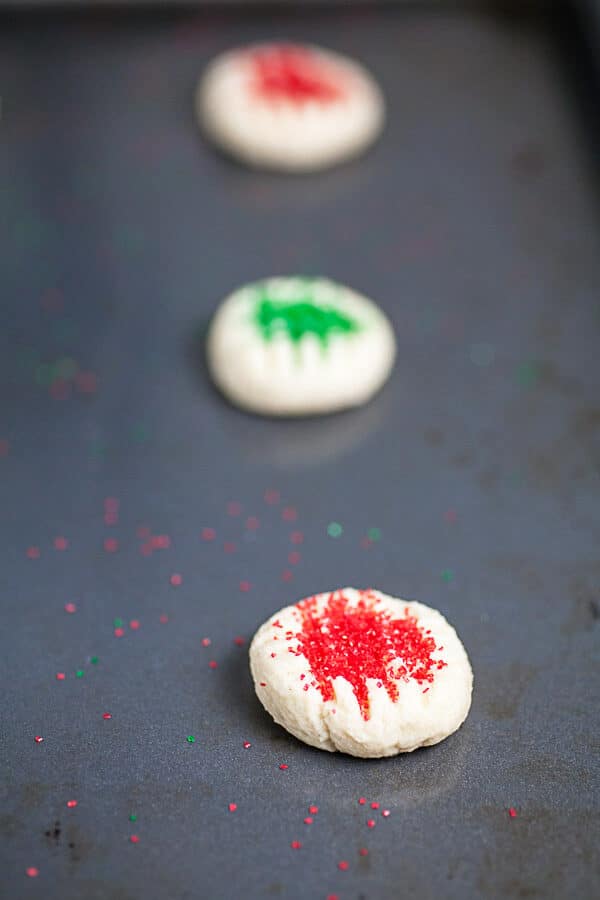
(252, 523)
(247, 745)
(107, 715)
(283, 72)
(229, 547)
(284, 766)
(343, 865)
(32, 872)
(308, 820)
(134, 839)
(313, 810)
(358, 641)
(370, 823)
(163, 618)
(244, 586)
(363, 851)
(33, 552)
(239, 641)
(333, 897)
(134, 624)
(234, 508)
(385, 813)
(111, 545)
(271, 496)
(362, 800)
(119, 632)
(70, 607)
(71, 804)
(208, 534)
(297, 537)
(512, 812)
(289, 514)
(175, 580)
(4, 447)
(38, 739)
(374, 805)
(295, 845)
(60, 543)
(60, 676)
(287, 575)
(206, 642)
(232, 807)
(213, 664)
(293, 558)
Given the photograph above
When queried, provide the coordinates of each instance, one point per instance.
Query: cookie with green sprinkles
(299, 346)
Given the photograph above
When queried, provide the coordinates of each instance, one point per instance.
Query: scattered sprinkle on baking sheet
(334, 530)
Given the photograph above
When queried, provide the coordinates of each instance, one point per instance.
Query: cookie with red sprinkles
(363, 673)
(289, 106)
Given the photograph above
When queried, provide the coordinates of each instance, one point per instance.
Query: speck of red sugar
(295, 845)
(287, 575)
(232, 807)
(4, 447)
(134, 839)
(208, 534)
(385, 813)
(284, 766)
(239, 641)
(370, 823)
(297, 537)
(293, 558)
(213, 664)
(38, 739)
(313, 810)
(32, 872)
(374, 805)
(71, 804)
(245, 586)
(111, 545)
(60, 676)
(60, 543)
(119, 632)
(206, 642)
(333, 897)
(107, 715)
(271, 496)
(308, 820)
(362, 800)
(361, 640)
(512, 812)
(70, 607)
(134, 624)
(176, 579)
(229, 547)
(33, 552)
(163, 618)
(343, 865)
(289, 514)
(234, 508)
(363, 851)
(252, 523)
(247, 745)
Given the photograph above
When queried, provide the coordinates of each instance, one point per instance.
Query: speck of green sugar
(374, 534)
(191, 739)
(300, 317)
(447, 575)
(118, 623)
(79, 673)
(94, 660)
(334, 529)
(133, 817)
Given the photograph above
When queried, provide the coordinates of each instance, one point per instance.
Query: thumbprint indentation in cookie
(283, 72)
(299, 317)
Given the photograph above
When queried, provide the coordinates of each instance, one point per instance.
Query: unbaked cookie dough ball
(289, 107)
(299, 346)
(363, 673)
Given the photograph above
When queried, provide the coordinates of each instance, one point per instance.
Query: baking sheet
(474, 223)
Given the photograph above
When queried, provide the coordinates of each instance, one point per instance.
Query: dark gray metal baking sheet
(474, 223)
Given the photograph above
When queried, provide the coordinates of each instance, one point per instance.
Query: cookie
(289, 107)
(363, 673)
(299, 346)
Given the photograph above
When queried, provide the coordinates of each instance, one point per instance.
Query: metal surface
(474, 224)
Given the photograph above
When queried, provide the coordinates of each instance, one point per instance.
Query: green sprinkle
(94, 660)
(191, 739)
(334, 529)
(527, 374)
(79, 673)
(374, 534)
(447, 575)
(301, 316)
(133, 817)
(66, 368)
(118, 623)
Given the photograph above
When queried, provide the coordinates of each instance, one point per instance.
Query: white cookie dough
(289, 107)
(362, 673)
(299, 346)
